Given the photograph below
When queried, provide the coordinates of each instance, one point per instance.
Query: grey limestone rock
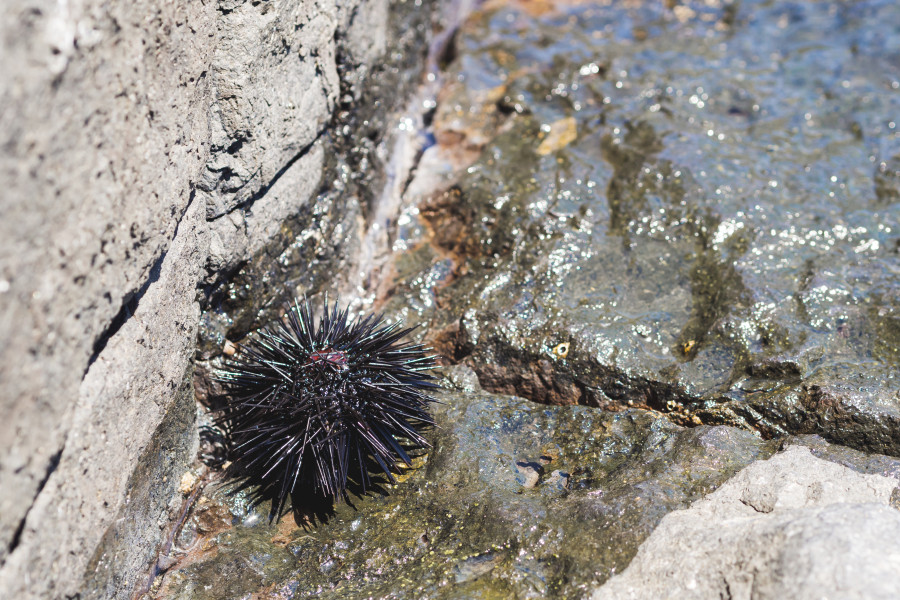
(793, 526)
(146, 149)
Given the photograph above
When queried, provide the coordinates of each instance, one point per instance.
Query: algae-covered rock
(697, 203)
(515, 499)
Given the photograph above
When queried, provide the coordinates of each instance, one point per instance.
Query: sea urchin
(310, 406)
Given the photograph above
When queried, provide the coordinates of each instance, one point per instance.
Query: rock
(103, 129)
(146, 153)
(711, 232)
(188, 483)
(476, 513)
(683, 214)
(658, 215)
(792, 526)
(529, 473)
(558, 480)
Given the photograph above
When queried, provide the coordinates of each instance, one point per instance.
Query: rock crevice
(146, 154)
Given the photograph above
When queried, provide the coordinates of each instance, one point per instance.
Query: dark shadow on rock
(312, 509)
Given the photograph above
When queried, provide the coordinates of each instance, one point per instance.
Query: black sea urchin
(311, 405)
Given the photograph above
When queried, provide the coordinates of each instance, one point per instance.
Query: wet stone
(529, 474)
(658, 235)
(697, 202)
(465, 520)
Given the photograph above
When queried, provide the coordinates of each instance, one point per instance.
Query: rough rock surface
(792, 526)
(519, 500)
(146, 151)
(515, 500)
(689, 207)
(686, 207)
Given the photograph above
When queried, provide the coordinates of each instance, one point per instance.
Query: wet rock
(686, 208)
(682, 213)
(694, 220)
(790, 526)
(558, 481)
(476, 514)
(529, 473)
(462, 522)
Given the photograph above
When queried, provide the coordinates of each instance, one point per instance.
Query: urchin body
(312, 403)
